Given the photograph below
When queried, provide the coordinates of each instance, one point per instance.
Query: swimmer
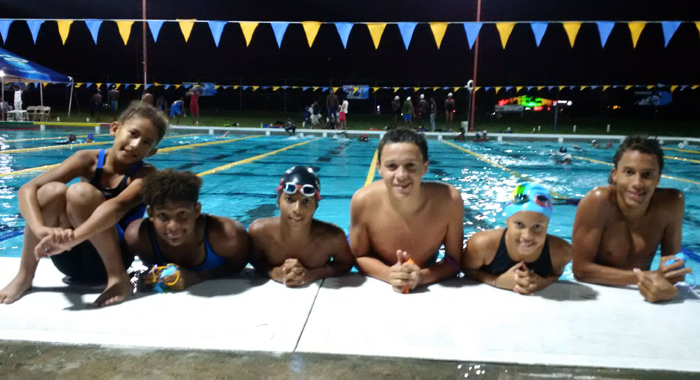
(176, 231)
(479, 137)
(595, 144)
(289, 127)
(294, 248)
(363, 138)
(485, 136)
(618, 228)
(522, 257)
(90, 138)
(461, 136)
(69, 140)
(400, 217)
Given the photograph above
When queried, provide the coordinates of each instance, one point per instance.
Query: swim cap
(422, 96)
(562, 149)
(530, 197)
(300, 176)
(396, 97)
(90, 136)
(408, 99)
(449, 95)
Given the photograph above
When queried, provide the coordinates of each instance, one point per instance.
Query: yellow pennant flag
(78, 85)
(561, 87)
(518, 88)
(539, 88)
(673, 88)
(295, 87)
(457, 89)
(248, 29)
(156, 84)
(98, 85)
(186, 28)
(435, 88)
(477, 88)
(697, 25)
(636, 30)
(606, 87)
(335, 89)
(217, 86)
(438, 29)
(124, 29)
(396, 89)
(695, 87)
(572, 30)
(497, 89)
(504, 29)
(375, 89)
(44, 84)
(236, 87)
(137, 86)
(649, 87)
(628, 87)
(315, 88)
(177, 86)
(416, 89)
(275, 88)
(118, 85)
(583, 87)
(311, 30)
(64, 29)
(255, 87)
(376, 30)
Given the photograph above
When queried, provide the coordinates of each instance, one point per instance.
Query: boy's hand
(405, 274)
(294, 273)
(654, 287)
(671, 272)
(57, 241)
(186, 279)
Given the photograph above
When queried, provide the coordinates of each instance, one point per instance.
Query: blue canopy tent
(14, 68)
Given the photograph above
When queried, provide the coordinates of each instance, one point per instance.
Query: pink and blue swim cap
(530, 197)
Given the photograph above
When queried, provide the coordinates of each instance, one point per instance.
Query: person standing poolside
(194, 95)
(202, 246)
(147, 99)
(177, 109)
(619, 227)
(398, 224)
(294, 248)
(395, 111)
(424, 111)
(18, 97)
(433, 113)
(408, 112)
(80, 226)
(332, 105)
(522, 257)
(113, 100)
(342, 116)
(449, 110)
(96, 105)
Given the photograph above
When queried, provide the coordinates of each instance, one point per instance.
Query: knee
(53, 193)
(83, 195)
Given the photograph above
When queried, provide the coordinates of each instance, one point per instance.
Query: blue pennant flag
(149, 85)
(284, 87)
(279, 28)
(94, 27)
(155, 26)
(88, 84)
(407, 88)
(472, 29)
(406, 29)
(167, 86)
(344, 29)
(604, 28)
(530, 87)
(304, 88)
(538, 28)
(550, 87)
(487, 88)
(594, 87)
(34, 26)
(572, 87)
(244, 87)
(226, 87)
(508, 88)
(324, 89)
(265, 87)
(669, 28)
(217, 27)
(444, 88)
(4, 28)
(109, 85)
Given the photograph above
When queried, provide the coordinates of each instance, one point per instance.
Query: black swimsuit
(502, 261)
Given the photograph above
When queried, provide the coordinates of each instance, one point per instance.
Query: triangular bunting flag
(177, 86)
(508, 88)
(109, 85)
(539, 88)
(77, 85)
(335, 89)
(255, 88)
(248, 30)
(88, 85)
(477, 88)
(344, 29)
(669, 28)
(504, 29)
(518, 88)
(550, 88)
(118, 85)
(606, 87)
(673, 88)
(572, 30)
(186, 27)
(94, 28)
(628, 87)
(376, 30)
(538, 29)
(396, 89)
(697, 25)
(436, 88)
(416, 89)
(375, 89)
(636, 30)
(304, 88)
(64, 29)
(438, 29)
(694, 87)
(530, 88)
(275, 88)
(137, 86)
(167, 86)
(34, 26)
(315, 88)
(561, 87)
(237, 86)
(407, 29)
(311, 30)
(324, 89)
(98, 85)
(149, 86)
(649, 87)
(583, 88)
(279, 28)
(124, 29)
(265, 87)
(284, 87)
(604, 29)
(4, 28)
(487, 88)
(472, 29)
(217, 28)
(154, 26)
(406, 88)
(497, 89)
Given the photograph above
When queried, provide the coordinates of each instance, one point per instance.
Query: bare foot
(15, 289)
(117, 290)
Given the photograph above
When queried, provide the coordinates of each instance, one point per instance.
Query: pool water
(246, 192)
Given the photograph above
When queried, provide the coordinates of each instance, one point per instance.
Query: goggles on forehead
(519, 197)
(306, 190)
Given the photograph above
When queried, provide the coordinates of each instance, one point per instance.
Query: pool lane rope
(372, 168)
(663, 175)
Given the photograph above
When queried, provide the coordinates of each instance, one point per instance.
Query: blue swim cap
(530, 197)
(90, 136)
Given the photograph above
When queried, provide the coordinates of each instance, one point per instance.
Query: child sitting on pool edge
(202, 246)
(81, 218)
(522, 257)
(294, 248)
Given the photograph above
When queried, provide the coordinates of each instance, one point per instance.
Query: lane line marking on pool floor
(66, 146)
(49, 167)
(255, 158)
(189, 146)
(47, 138)
(683, 159)
(511, 171)
(682, 150)
(663, 175)
(372, 168)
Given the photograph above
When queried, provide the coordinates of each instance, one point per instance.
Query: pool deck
(568, 324)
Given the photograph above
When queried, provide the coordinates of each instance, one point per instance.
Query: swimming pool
(246, 191)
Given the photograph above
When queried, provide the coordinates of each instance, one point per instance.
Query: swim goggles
(520, 197)
(291, 188)
(160, 272)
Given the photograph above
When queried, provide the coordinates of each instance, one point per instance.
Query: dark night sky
(521, 63)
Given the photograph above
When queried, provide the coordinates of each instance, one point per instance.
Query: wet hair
(404, 135)
(145, 111)
(170, 185)
(640, 144)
